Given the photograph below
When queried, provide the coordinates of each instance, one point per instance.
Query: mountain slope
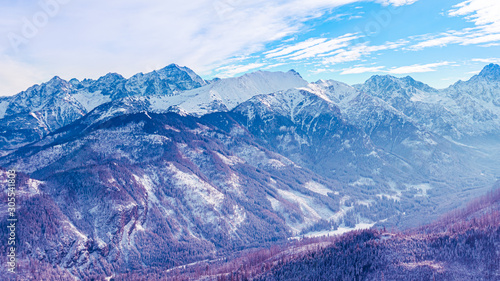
(372, 147)
(465, 245)
(164, 190)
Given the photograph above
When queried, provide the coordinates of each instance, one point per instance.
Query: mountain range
(165, 169)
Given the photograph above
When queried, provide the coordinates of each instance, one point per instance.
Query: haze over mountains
(165, 168)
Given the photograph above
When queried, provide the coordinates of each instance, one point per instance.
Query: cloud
(418, 68)
(469, 36)
(490, 45)
(283, 51)
(90, 38)
(359, 51)
(437, 41)
(362, 69)
(312, 47)
(328, 46)
(483, 13)
(488, 60)
(397, 2)
(273, 65)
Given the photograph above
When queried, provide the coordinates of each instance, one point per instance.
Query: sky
(437, 42)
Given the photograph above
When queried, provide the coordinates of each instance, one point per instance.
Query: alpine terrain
(165, 175)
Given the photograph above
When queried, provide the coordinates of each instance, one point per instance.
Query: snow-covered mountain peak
(490, 72)
(54, 85)
(480, 95)
(397, 91)
(169, 80)
(46, 90)
(110, 77)
(294, 72)
(56, 79)
(388, 82)
(74, 81)
(226, 94)
(381, 79)
(174, 70)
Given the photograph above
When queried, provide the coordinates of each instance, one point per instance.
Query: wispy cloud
(322, 48)
(418, 68)
(359, 51)
(361, 69)
(397, 2)
(283, 51)
(273, 65)
(488, 60)
(483, 13)
(468, 36)
(440, 40)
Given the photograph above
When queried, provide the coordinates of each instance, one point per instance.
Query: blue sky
(437, 42)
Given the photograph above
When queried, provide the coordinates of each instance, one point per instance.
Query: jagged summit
(383, 81)
(56, 79)
(174, 65)
(389, 81)
(111, 76)
(490, 72)
(294, 72)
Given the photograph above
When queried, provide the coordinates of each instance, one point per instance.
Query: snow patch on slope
(420, 188)
(146, 182)
(317, 187)
(91, 100)
(362, 181)
(311, 209)
(197, 190)
(3, 108)
(339, 231)
(229, 160)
